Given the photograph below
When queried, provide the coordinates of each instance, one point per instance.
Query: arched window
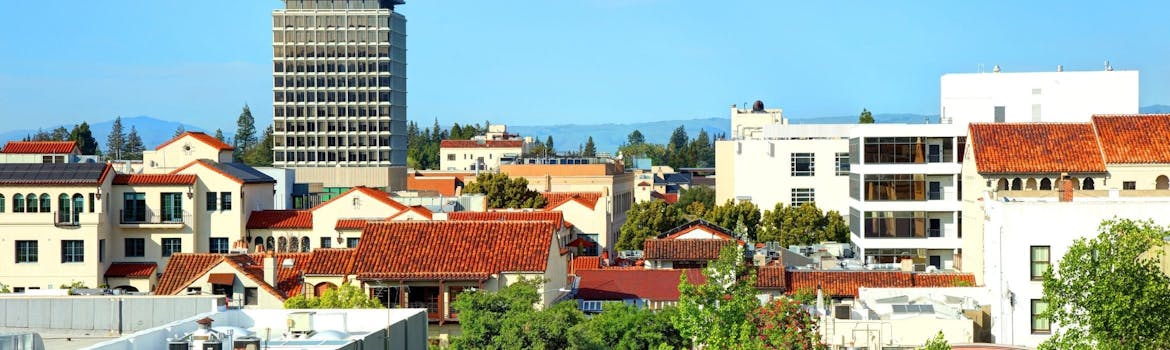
(78, 205)
(258, 243)
(1002, 185)
(18, 203)
(282, 245)
(63, 208)
(1076, 184)
(1, 203)
(1030, 185)
(30, 202)
(1017, 184)
(294, 245)
(46, 203)
(320, 288)
(1088, 184)
(270, 244)
(1161, 183)
(305, 244)
(1045, 185)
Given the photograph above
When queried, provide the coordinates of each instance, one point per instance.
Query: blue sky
(549, 62)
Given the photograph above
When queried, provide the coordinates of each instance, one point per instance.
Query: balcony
(150, 219)
(431, 306)
(64, 219)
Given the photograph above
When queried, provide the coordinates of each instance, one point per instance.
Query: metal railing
(150, 217)
(66, 220)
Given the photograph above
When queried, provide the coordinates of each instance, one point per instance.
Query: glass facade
(339, 83)
(895, 187)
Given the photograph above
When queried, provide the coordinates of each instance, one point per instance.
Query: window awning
(226, 279)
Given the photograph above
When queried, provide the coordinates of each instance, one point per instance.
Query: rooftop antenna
(1060, 68)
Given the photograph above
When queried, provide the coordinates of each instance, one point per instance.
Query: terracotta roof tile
(845, 283)
(428, 247)
(615, 284)
(553, 216)
(556, 199)
(131, 269)
(331, 261)
(684, 249)
(39, 147)
(352, 224)
(771, 277)
(698, 224)
(481, 144)
(154, 179)
(377, 194)
(582, 263)
(201, 137)
(1036, 148)
(1134, 139)
(943, 279)
(270, 219)
(424, 276)
(443, 185)
(182, 269)
(417, 209)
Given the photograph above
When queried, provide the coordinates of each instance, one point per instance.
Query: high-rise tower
(339, 84)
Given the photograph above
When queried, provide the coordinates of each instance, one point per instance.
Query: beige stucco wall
(393, 178)
(179, 153)
(1144, 175)
(724, 169)
(153, 233)
(40, 227)
(465, 157)
(912, 332)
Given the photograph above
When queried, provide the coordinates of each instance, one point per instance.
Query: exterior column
(442, 304)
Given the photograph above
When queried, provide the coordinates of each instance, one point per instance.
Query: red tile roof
(401, 249)
(554, 216)
(684, 249)
(716, 231)
(443, 185)
(131, 269)
(771, 277)
(39, 147)
(845, 283)
(556, 199)
(331, 261)
(352, 224)
(201, 137)
(154, 179)
(286, 219)
(1036, 148)
(481, 144)
(614, 284)
(183, 269)
(1134, 139)
(377, 194)
(582, 263)
(417, 209)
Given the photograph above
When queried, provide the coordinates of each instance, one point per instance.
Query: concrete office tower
(339, 84)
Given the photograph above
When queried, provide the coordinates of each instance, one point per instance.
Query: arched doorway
(1002, 185)
(1161, 183)
(1088, 184)
(1076, 184)
(1030, 185)
(320, 288)
(1017, 184)
(1045, 184)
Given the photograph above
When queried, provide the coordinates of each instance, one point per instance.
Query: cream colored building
(42, 152)
(786, 164)
(184, 149)
(750, 123)
(481, 155)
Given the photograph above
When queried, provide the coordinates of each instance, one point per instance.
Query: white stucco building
(786, 164)
(1036, 96)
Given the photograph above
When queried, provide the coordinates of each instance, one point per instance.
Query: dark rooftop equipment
(52, 173)
(758, 107)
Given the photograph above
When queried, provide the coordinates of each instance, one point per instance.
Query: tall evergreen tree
(261, 155)
(116, 141)
(548, 145)
(590, 148)
(180, 130)
(245, 133)
(219, 135)
(41, 135)
(678, 139)
(84, 138)
(134, 147)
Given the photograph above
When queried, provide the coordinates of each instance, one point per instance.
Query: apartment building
(904, 193)
(788, 165)
(1058, 96)
(478, 155)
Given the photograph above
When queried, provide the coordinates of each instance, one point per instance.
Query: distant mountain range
(567, 137)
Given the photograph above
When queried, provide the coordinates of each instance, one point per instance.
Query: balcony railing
(66, 220)
(431, 306)
(149, 217)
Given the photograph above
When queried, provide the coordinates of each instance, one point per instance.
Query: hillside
(153, 131)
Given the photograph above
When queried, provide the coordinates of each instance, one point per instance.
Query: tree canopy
(866, 117)
(801, 225)
(741, 217)
(590, 149)
(507, 319)
(134, 147)
(245, 134)
(505, 192)
(116, 140)
(645, 220)
(1105, 291)
(346, 296)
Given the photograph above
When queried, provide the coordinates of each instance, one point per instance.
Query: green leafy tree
(939, 342)
(180, 130)
(866, 117)
(505, 192)
(625, 327)
(116, 140)
(1102, 293)
(134, 146)
(83, 136)
(703, 150)
(347, 296)
(590, 148)
(704, 196)
(645, 220)
(802, 225)
(835, 228)
(635, 138)
(742, 217)
(507, 319)
(717, 314)
(245, 134)
(59, 133)
(261, 154)
(4, 288)
(785, 324)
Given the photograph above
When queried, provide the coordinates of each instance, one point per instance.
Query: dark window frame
(1044, 264)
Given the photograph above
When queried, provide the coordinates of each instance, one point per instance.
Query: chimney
(270, 268)
(1066, 190)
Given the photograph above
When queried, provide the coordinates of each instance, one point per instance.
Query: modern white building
(1036, 96)
(1023, 235)
(786, 164)
(750, 123)
(904, 193)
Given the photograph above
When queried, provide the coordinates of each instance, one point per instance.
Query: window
(91, 202)
(1088, 184)
(1040, 262)
(934, 191)
(172, 207)
(133, 207)
(225, 201)
(802, 164)
(250, 296)
(936, 261)
(101, 250)
(1040, 325)
(934, 153)
(212, 203)
(842, 163)
(171, 246)
(895, 187)
(72, 251)
(305, 244)
(26, 252)
(18, 203)
(1000, 114)
(803, 195)
(217, 245)
(1035, 112)
(894, 224)
(46, 203)
(30, 202)
(351, 242)
(1045, 185)
(135, 247)
(934, 228)
(194, 290)
(1, 203)
(1129, 185)
(451, 156)
(326, 242)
